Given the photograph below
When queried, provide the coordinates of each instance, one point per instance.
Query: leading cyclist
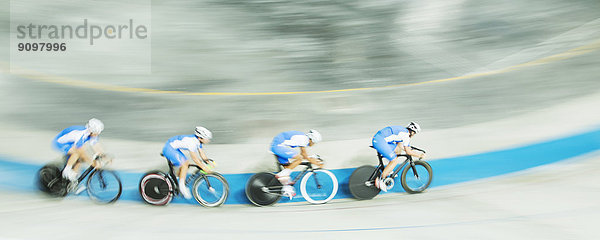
(71, 140)
(390, 142)
(284, 146)
(193, 144)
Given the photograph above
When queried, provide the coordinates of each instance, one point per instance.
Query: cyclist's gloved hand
(422, 156)
(320, 163)
(210, 164)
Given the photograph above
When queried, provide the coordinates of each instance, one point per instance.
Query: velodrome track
(478, 81)
(555, 201)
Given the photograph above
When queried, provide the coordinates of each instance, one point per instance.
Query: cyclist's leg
(183, 168)
(387, 151)
(69, 172)
(287, 157)
(290, 159)
(178, 159)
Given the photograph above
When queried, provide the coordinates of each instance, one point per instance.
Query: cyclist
(390, 142)
(192, 144)
(284, 147)
(71, 142)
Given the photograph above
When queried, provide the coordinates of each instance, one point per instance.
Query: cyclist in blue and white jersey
(390, 142)
(290, 149)
(193, 145)
(71, 141)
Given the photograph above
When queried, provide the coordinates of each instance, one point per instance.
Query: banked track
(19, 176)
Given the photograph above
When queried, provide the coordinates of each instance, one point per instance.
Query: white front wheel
(319, 186)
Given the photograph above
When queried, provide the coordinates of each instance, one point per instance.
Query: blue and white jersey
(291, 139)
(184, 142)
(395, 134)
(75, 135)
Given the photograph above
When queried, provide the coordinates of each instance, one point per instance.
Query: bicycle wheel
(104, 186)
(361, 187)
(263, 189)
(156, 189)
(51, 182)
(319, 187)
(210, 190)
(413, 184)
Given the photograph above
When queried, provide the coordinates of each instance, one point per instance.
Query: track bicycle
(317, 185)
(159, 188)
(103, 186)
(416, 176)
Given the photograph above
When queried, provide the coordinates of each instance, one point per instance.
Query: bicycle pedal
(389, 183)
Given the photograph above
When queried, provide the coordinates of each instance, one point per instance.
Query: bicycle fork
(317, 181)
(412, 166)
(198, 174)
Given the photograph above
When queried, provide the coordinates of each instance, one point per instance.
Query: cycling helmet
(314, 136)
(202, 132)
(413, 126)
(95, 126)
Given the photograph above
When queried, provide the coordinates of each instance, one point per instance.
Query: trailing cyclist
(389, 142)
(192, 144)
(285, 146)
(71, 142)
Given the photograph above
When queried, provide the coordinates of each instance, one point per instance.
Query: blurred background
(290, 46)
(477, 75)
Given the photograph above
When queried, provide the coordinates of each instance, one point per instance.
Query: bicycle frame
(91, 169)
(88, 171)
(173, 178)
(381, 166)
(308, 168)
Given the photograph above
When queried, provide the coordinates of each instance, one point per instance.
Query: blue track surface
(18, 176)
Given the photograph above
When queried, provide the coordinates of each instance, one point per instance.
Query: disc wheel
(319, 186)
(104, 186)
(51, 182)
(156, 189)
(413, 184)
(210, 190)
(263, 189)
(361, 187)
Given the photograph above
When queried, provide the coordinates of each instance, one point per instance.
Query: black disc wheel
(263, 189)
(156, 189)
(361, 184)
(51, 182)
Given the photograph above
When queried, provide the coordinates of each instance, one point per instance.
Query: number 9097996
(41, 47)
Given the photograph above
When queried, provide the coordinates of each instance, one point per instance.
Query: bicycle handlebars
(418, 149)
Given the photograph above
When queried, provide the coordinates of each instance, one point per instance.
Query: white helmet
(202, 132)
(413, 126)
(94, 126)
(314, 136)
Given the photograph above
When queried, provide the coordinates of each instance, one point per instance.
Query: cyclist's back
(73, 135)
(290, 139)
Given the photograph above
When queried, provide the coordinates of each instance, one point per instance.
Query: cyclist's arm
(82, 153)
(409, 151)
(311, 160)
(199, 157)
